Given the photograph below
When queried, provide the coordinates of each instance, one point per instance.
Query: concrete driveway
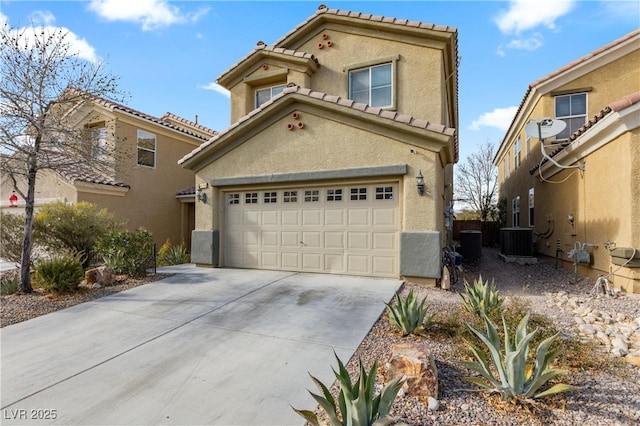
(206, 346)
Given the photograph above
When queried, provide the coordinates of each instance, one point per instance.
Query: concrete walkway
(206, 346)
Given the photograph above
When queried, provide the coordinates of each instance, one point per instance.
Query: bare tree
(477, 183)
(42, 81)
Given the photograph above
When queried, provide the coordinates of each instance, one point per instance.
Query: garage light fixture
(201, 196)
(420, 183)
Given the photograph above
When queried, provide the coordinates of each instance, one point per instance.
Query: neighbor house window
(372, 85)
(528, 143)
(531, 206)
(572, 109)
(146, 149)
(516, 154)
(98, 137)
(264, 95)
(516, 211)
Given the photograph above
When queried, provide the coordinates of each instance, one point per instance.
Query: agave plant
(356, 405)
(515, 377)
(409, 316)
(482, 298)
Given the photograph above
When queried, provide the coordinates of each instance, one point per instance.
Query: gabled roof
(307, 95)
(170, 117)
(80, 172)
(261, 52)
(534, 88)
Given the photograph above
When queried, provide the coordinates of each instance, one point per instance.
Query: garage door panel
(290, 239)
(291, 260)
(290, 218)
(334, 240)
(312, 262)
(334, 263)
(270, 239)
(384, 266)
(312, 217)
(250, 259)
(358, 217)
(270, 260)
(358, 264)
(250, 238)
(334, 217)
(312, 239)
(270, 218)
(250, 217)
(358, 240)
(385, 217)
(385, 241)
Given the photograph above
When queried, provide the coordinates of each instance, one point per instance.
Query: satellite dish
(544, 128)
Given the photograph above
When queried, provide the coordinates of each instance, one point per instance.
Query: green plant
(60, 274)
(516, 378)
(127, 253)
(409, 316)
(172, 255)
(356, 405)
(9, 283)
(74, 228)
(481, 299)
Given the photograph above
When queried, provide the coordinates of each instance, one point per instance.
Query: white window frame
(531, 207)
(393, 61)
(516, 153)
(528, 148)
(143, 134)
(279, 87)
(571, 116)
(515, 212)
(98, 137)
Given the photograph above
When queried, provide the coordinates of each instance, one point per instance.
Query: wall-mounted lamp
(13, 200)
(420, 183)
(201, 196)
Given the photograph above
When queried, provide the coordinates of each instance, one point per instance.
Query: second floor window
(572, 109)
(146, 149)
(264, 95)
(516, 212)
(98, 135)
(516, 154)
(372, 85)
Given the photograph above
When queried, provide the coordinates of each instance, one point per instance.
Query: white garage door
(342, 229)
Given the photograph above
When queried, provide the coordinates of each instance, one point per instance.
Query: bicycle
(453, 261)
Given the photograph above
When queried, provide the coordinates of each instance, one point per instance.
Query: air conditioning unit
(516, 242)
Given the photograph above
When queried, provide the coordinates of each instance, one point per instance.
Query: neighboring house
(333, 126)
(587, 197)
(147, 188)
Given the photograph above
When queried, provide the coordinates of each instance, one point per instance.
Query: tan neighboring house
(340, 154)
(149, 189)
(581, 200)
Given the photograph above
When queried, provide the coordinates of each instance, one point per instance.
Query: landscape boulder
(415, 362)
(102, 276)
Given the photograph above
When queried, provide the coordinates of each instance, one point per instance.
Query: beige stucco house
(147, 188)
(582, 198)
(335, 127)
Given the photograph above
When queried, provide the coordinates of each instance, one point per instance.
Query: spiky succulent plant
(409, 315)
(516, 378)
(482, 298)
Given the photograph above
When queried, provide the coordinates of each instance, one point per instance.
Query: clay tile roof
(115, 106)
(187, 191)
(170, 116)
(616, 106)
(80, 172)
(406, 119)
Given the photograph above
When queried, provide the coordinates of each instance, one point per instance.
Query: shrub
(172, 255)
(12, 234)
(9, 282)
(127, 253)
(60, 274)
(515, 377)
(74, 228)
(409, 316)
(356, 404)
(481, 299)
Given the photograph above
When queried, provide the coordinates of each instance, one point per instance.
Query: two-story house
(340, 153)
(579, 192)
(147, 186)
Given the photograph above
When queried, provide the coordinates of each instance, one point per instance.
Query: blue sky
(168, 54)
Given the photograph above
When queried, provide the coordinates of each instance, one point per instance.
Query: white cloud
(532, 43)
(216, 88)
(42, 17)
(525, 15)
(152, 14)
(500, 118)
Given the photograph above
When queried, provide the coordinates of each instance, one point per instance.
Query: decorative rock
(618, 353)
(616, 342)
(633, 360)
(433, 404)
(102, 275)
(416, 363)
(578, 320)
(587, 329)
(96, 285)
